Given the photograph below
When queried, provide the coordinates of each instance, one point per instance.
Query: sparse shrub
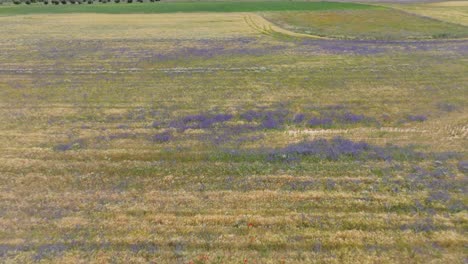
(17, 2)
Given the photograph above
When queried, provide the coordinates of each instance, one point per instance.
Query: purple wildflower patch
(299, 118)
(270, 122)
(338, 115)
(463, 166)
(121, 136)
(251, 115)
(416, 118)
(161, 137)
(440, 196)
(421, 225)
(200, 121)
(320, 122)
(330, 149)
(74, 145)
(156, 124)
(352, 118)
(338, 147)
(49, 250)
(222, 118)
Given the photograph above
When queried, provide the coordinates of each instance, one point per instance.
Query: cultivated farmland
(233, 133)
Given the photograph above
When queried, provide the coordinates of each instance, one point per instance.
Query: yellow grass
(140, 26)
(450, 3)
(451, 11)
(50, 197)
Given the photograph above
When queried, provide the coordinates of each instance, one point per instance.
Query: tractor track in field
(131, 70)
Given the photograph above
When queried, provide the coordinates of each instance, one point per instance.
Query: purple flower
(77, 144)
(439, 196)
(298, 118)
(352, 118)
(121, 136)
(49, 250)
(420, 225)
(251, 115)
(338, 147)
(463, 166)
(161, 137)
(416, 118)
(156, 124)
(122, 126)
(320, 122)
(270, 122)
(200, 121)
(222, 118)
(331, 149)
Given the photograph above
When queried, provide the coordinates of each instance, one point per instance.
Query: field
(383, 24)
(231, 137)
(450, 11)
(177, 7)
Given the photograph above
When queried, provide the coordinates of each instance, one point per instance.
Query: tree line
(79, 2)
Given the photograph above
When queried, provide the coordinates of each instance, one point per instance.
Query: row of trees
(64, 2)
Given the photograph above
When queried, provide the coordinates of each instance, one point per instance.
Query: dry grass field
(450, 11)
(224, 138)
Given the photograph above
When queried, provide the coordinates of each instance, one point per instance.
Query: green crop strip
(167, 7)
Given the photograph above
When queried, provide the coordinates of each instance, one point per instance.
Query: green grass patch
(171, 7)
(383, 24)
